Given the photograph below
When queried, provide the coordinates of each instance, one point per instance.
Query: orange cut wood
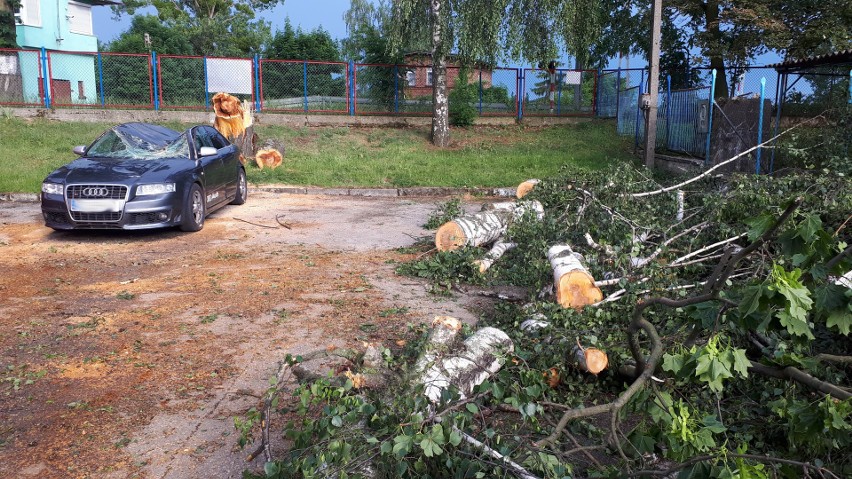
(577, 289)
(525, 187)
(450, 237)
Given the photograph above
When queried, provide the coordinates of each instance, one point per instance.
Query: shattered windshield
(119, 144)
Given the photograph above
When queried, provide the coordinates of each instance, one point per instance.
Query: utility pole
(653, 86)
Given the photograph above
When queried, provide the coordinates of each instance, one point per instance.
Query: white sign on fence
(9, 65)
(229, 75)
(573, 78)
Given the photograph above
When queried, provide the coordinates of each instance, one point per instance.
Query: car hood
(112, 170)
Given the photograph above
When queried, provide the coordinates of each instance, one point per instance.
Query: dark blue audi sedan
(138, 175)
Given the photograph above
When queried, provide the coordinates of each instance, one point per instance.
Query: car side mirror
(79, 150)
(207, 151)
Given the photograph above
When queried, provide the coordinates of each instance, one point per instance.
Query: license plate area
(97, 205)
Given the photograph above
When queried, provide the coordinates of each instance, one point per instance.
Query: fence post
(598, 82)
(45, 81)
(206, 86)
(480, 91)
(617, 91)
(760, 122)
(351, 87)
(101, 80)
(258, 90)
(396, 88)
(305, 79)
(520, 85)
(559, 95)
(668, 109)
(639, 108)
(710, 117)
(156, 80)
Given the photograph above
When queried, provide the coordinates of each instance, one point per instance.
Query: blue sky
(308, 14)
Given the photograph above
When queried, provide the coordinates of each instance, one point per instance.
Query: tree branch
(801, 377)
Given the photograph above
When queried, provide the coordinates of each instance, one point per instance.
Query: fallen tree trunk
(575, 287)
(497, 251)
(483, 227)
(440, 340)
(482, 355)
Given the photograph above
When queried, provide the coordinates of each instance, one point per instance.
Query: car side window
(201, 138)
(216, 138)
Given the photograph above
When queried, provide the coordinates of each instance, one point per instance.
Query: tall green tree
(7, 23)
(212, 27)
(488, 31)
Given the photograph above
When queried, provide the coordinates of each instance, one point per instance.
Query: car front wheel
(192, 217)
(242, 189)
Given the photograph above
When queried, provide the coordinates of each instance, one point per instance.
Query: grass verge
(353, 157)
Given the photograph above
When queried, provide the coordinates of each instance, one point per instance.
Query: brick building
(418, 74)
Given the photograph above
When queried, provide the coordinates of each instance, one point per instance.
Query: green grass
(350, 157)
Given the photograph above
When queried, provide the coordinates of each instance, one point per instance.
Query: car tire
(194, 210)
(242, 189)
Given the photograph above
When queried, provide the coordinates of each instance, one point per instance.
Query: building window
(29, 13)
(411, 78)
(429, 77)
(79, 18)
(81, 92)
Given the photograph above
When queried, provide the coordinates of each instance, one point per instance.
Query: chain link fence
(21, 78)
(304, 86)
(562, 93)
(181, 82)
(610, 83)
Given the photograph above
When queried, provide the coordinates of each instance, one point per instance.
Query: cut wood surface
(497, 251)
(483, 227)
(591, 360)
(575, 287)
(481, 355)
(525, 187)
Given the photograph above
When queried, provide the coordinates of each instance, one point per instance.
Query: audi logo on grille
(94, 191)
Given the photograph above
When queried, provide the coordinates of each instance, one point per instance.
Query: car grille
(78, 216)
(112, 192)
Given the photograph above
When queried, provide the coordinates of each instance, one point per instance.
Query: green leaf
(842, 320)
(337, 421)
(751, 299)
(386, 447)
(438, 434)
(402, 445)
(672, 363)
(430, 448)
(809, 227)
(741, 362)
(455, 438)
(472, 408)
(759, 225)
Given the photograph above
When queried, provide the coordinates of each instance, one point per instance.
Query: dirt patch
(127, 354)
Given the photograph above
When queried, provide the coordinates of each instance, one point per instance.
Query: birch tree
(491, 31)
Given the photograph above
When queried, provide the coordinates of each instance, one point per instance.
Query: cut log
(575, 287)
(497, 251)
(481, 355)
(440, 340)
(268, 158)
(590, 360)
(525, 187)
(483, 227)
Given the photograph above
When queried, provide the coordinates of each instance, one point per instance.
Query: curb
(429, 192)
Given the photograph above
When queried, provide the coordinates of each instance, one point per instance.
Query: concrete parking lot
(128, 354)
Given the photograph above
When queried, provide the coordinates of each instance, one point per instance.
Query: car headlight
(51, 188)
(155, 189)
